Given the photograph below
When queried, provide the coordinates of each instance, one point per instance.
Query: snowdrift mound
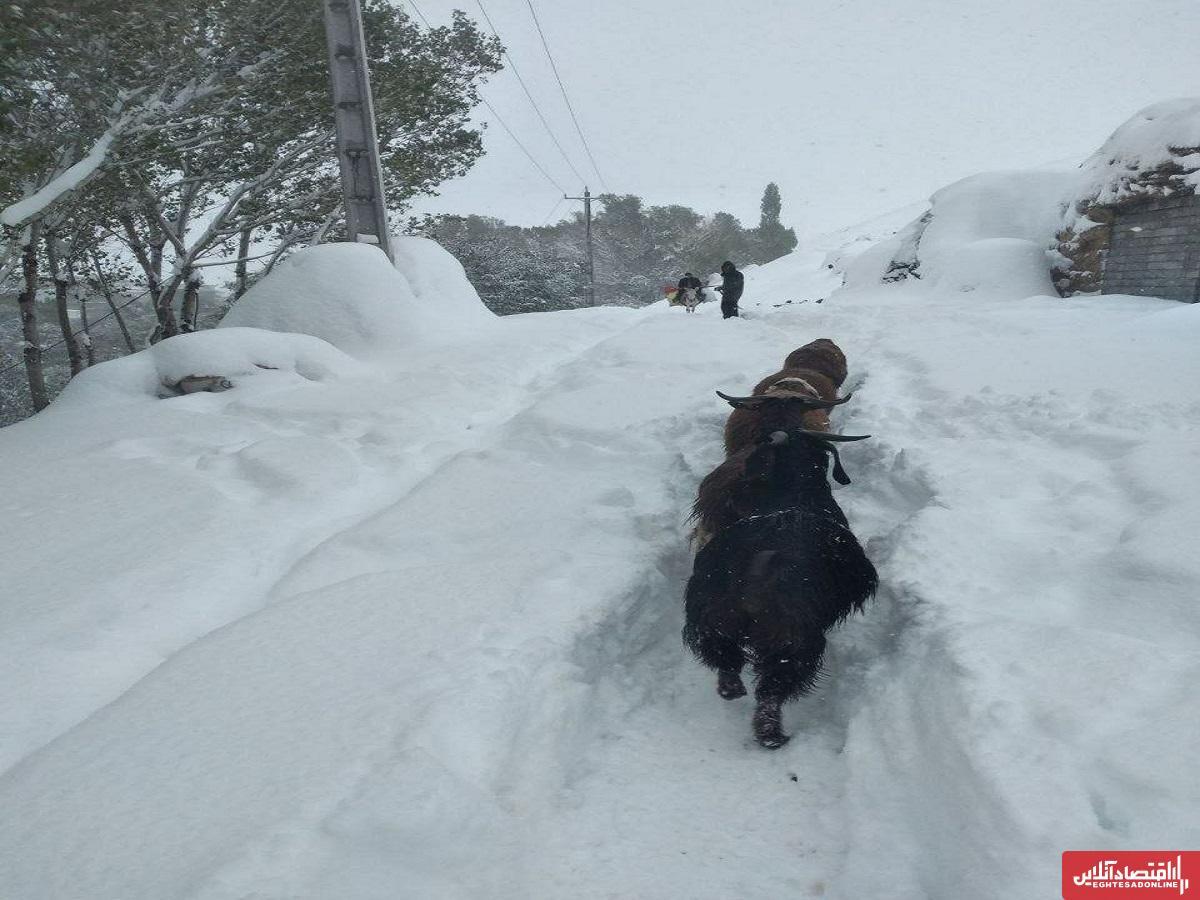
(349, 295)
(346, 294)
(447, 302)
(986, 233)
(236, 354)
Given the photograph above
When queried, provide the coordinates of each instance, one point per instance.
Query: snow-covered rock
(1155, 153)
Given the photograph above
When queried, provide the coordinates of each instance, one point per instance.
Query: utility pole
(587, 215)
(354, 114)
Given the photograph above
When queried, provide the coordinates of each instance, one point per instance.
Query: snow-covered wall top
(1156, 152)
(349, 295)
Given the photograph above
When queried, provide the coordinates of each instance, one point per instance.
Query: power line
(566, 99)
(417, 10)
(517, 141)
(513, 66)
(553, 209)
(558, 187)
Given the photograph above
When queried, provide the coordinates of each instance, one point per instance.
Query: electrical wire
(421, 15)
(562, 88)
(75, 334)
(517, 141)
(559, 202)
(498, 118)
(513, 66)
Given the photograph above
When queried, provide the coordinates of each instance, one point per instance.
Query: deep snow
(385, 624)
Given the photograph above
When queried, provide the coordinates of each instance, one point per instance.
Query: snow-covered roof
(1156, 152)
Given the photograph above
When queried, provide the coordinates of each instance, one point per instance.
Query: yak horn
(829, 435)
(760, 399)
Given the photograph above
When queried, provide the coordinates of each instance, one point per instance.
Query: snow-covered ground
(398, 615)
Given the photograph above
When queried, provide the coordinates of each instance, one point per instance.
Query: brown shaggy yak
(815, 370)
(821, 355)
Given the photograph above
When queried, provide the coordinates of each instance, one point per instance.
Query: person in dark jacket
(732, 283)
(689, 281)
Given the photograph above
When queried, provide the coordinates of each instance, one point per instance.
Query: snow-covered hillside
(398, 615)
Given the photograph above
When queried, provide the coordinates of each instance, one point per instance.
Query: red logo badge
(1097, 874)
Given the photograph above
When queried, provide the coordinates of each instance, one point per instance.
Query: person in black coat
(731, 287)
(689, 281)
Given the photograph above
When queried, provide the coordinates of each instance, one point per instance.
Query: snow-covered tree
(771, 239)
(199, 132)
(637, 248)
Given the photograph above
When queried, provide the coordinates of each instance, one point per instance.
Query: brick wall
(1155, 250)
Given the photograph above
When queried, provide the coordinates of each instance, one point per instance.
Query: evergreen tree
(771, 239)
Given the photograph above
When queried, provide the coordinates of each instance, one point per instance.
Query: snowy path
(458, 673)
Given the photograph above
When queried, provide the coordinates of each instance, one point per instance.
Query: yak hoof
(768, 729)
(773, 740)
(730, 686)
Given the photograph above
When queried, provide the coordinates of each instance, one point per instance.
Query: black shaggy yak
(781, 568)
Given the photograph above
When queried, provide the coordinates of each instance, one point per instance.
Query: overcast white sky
(855, 107)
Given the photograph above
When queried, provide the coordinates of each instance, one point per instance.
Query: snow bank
(237, 354)
(447, 302)
(349, 295)
(346, 294)
(987, 233)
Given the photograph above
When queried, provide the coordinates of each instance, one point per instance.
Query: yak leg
(768, 723)
(730, 684)
(783, 674)
(716, 650)
(715, 629)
